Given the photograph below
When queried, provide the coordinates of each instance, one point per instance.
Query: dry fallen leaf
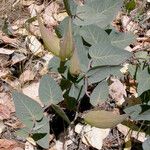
(48, 15)
(27, 75)
(32, 91)
(92, 136)
(6, 100)
(34, 45)
(117, 91)
(6, 51)
(8, 40)
(141, 136)
(10, 145)
(4, 112)
(18, 58)
(2, 126)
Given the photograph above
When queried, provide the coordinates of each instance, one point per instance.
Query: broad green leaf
(61, 113)
(54, 64)
(142, 56)
(70, 7)
(99, 94)
(132, 70)
(144, 116)
(100, 12)
(76, 91)
(49, 91)
(121, 40)
(133, 111)
(50, 40)
(106, 54)
(143, 78)
(97, 74)
(146, 144)
(94, 34)
(41, 133)
(104, 119)
(27, 109)
(145, 96)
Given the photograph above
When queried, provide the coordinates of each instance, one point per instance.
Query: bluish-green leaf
(106, 54)
(54, 64)
(27, 109)
(94, 34)
(49, 91)
(121, 40)
(61, 113)
(100, 12)
(76, 91)
(146, 144)
(41, 133)
(99, 94)
(143, 78)
(98, 74)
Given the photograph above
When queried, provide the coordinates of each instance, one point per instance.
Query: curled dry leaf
(49, 13)
(117, 91)
(17, 58)
(92, 136)
(27, 75)
(34, 45)
(8, 40)
(5, 51)
(141, 136)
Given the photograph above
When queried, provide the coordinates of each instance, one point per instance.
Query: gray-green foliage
(97, 12)
(49, 91)
(99, 55)
(99, 94)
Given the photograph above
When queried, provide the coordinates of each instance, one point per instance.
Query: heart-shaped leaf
(100, 12)
(99, 94)
(49, 91)
(94, 34)
(106, 54)
(27, 109)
